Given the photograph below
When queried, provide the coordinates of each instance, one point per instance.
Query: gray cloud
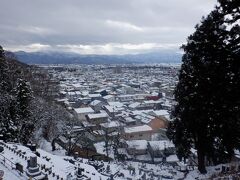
(99, 26)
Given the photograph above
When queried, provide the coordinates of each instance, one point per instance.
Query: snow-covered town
(120, 116)
(124, 111)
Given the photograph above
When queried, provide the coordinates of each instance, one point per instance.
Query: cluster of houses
(131, 104)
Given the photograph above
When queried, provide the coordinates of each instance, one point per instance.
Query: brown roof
(158, 123)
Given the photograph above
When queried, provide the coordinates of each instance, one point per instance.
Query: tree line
(27, 110)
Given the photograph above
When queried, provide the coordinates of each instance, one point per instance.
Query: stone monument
(32, 167)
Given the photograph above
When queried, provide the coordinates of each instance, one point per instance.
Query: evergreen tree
(207, 113)
(229, 129)
(7, 111)
(4, 78)
(8, 124)
(25, 121)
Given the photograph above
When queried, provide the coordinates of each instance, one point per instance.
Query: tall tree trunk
(87, 153)
(201, 161)
(53, 144)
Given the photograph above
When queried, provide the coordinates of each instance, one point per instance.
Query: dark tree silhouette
(207, 114)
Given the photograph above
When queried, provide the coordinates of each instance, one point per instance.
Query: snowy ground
(60, 165)
(9, 174)
(55, 164)
(46, 146)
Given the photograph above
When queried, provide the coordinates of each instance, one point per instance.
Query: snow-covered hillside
(55, 167)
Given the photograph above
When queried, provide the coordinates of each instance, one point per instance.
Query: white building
(82, 112)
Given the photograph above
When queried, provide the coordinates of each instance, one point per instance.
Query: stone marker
(32, 167)
(79, 172)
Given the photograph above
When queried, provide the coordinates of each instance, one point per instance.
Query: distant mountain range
(73, 58)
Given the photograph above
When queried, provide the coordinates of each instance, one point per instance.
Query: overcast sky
(99, 26)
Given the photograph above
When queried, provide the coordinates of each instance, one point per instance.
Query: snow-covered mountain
(73, 58)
